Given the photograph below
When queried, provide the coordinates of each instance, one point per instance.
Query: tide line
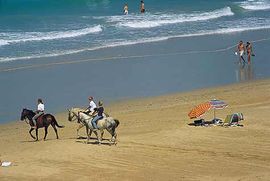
(123, 57)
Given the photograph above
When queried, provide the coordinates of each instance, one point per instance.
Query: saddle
(39, 118)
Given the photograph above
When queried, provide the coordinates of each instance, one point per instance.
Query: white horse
(73, 117)
(108, 123)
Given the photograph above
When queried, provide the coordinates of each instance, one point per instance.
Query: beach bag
(199, 122)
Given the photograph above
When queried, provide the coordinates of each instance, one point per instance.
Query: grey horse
(108, 123)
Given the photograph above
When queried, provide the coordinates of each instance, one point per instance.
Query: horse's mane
(29, 110)
(77, 109)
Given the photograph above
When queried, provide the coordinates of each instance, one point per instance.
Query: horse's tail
(115, 126)
(116, 122)
(55, 122)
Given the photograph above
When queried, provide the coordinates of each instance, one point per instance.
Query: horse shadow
(95, 143)
(29, 141)
(91, 138)
(34, 141)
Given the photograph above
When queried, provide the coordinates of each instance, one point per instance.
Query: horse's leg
(36, 134)
(87, 133)
(30, 132)
(101, 134)
(79, 127)
(90, 132)
(96, 133)
(55, 130)
(113, 133)
(46, 132)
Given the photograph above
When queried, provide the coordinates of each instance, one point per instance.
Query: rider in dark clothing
(99, 115)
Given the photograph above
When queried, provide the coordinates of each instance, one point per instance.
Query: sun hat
(100, 103)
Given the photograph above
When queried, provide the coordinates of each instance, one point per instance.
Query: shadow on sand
(95, 143)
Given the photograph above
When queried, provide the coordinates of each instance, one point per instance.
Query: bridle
(25, 116)
(73, 115)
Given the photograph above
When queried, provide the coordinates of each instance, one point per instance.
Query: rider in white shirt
(39, 111)
(92, 105)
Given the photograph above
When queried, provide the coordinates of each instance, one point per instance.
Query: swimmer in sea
(142, 7)
(126, 9)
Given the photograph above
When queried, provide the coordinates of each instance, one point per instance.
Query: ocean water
(65, 50)
(46, 28)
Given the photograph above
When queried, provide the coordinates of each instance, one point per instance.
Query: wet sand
(155, 142)
(141, 70)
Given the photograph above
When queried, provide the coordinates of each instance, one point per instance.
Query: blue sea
(45, 28)
(66, 50)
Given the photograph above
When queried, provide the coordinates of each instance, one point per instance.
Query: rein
(76, 116)
(26, 121)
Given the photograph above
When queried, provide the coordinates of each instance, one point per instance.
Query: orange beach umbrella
(200, 109)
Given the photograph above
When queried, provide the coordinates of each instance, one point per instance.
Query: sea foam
(255, 5)
(155, 20)
(8, 38)
(133, 42)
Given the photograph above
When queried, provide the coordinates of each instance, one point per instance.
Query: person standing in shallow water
(249, 52)
(126, 9)
(241, 51)
(142, 7)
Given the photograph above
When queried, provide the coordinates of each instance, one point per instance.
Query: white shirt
(40, 107)
(92, 106)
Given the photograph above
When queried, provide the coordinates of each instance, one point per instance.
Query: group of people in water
(243, 49)
(92, 109)
(142, 9)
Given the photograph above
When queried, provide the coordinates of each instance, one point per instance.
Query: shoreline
(128, 100)
(153, 136)
(119, 78)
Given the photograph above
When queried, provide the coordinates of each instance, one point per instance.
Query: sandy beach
(155, 142)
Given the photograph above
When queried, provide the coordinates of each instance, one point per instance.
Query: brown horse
(43, 121)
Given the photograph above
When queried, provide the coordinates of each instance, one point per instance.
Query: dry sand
(155, 142)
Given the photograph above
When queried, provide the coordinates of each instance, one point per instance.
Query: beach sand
(155, 142)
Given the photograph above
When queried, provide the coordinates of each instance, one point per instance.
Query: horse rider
(92, 105)
(39, 112)
(99, 110)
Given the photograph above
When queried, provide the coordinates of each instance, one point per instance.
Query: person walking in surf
(241, 50)
(249, 52)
